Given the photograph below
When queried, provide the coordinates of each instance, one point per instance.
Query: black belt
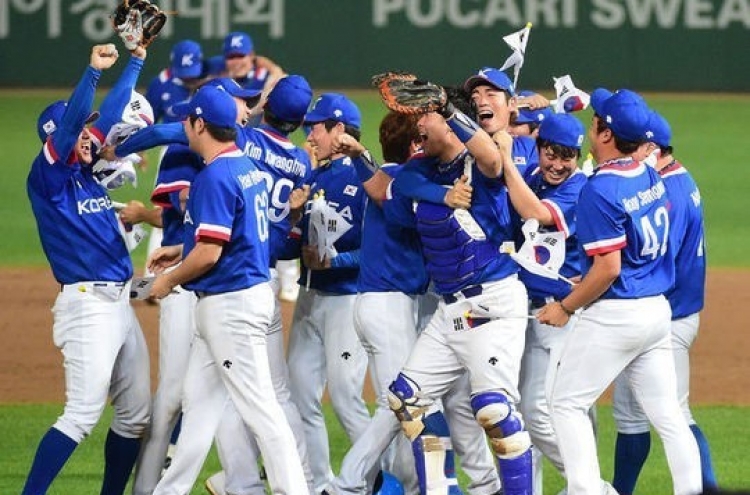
(474, 290)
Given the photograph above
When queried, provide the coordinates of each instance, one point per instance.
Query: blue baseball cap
(251, 96)
(658, 130)
(493, 77)
(290, 98)
(624, 111)
(563, 129)
(186, 60)
(334, 106)
(214, 105)
(529, 116)
(237, 43)
(50, 118)
(214, 66)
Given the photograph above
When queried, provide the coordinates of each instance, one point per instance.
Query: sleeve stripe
(213, 232)
(605, 246)
(49, 153)
(557, 216)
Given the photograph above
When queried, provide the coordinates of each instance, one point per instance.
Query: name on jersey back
(287, 164)
(643, 198)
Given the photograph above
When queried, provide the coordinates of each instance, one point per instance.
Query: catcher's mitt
(404, 93)
(138, 22)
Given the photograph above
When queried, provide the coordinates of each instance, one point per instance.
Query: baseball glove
(405, 93)
(138, 22)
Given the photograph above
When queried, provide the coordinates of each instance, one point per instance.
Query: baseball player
(225, 261)
(284, 168)
(250, 70)
(177, 170)
(186, 72)
(94, 325)
(548, 193)
(494, 99)
(623, 229)
(480, 320)
(323, 345)
(686, 298)
(527, 120)
(393, 276)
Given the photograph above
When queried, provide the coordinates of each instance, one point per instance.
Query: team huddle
(412, 269)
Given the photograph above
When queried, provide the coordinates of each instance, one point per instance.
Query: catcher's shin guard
(510, 442)
(434, 459)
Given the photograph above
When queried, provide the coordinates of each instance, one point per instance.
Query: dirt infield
(31, 367)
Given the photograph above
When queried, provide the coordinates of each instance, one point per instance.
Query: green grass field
(708, 133)
(21, 427)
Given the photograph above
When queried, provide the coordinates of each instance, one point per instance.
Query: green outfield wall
(674, 45)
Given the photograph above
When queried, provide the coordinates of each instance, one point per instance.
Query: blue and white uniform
(392, 275)
(480, 321)
(104, 351)
(178, 168)
(228, 360)
(686, 299)
(623, 207)
(543, 342)
(323, 345)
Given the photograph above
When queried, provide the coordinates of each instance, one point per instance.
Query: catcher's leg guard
(434, 458)
(429, 436)
(510, 442)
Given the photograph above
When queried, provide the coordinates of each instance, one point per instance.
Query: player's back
(632, 200)
(228, 201)
(284, 167)
(391, 254)
(687, 242)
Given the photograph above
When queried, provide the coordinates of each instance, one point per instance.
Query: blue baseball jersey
(561, 201)
(163, 92)
(391, 255)
(345, 194)
(177, 170)
(110, 111)
(255, 79)
(686, 241)
(228, 203)
(489, 209)
(624, 207)
(284, 167)
(524, 153)
(77, 225)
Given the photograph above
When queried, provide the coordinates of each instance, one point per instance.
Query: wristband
(567, 311)
(365, 166)
(462, 126)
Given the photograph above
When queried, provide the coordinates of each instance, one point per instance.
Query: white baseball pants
(614, 336)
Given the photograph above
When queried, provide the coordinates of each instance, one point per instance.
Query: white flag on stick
(326, 227)
(517, 42)
(542, 253)
(569, 98)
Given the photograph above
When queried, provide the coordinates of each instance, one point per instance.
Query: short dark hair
(284, 126)
(349, 129)
(564, 152)
(397, 132)
(622, 145)
(221, 134)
